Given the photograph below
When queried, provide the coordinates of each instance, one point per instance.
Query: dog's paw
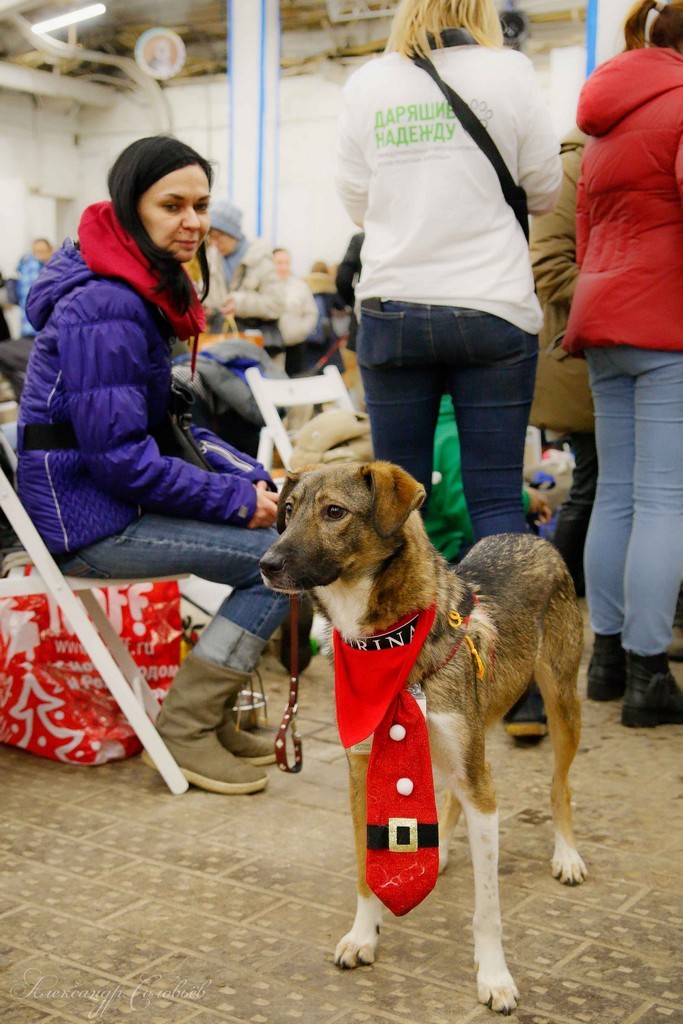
(499, 993)
(568, 866)
(353, 951)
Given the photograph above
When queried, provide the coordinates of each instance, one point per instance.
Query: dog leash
(289, 718)
(323, 359)
(455, 621)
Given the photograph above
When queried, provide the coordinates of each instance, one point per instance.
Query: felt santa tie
(402, 829)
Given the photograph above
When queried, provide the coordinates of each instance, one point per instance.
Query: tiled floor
(122, 903)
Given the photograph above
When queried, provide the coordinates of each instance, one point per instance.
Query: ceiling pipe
(147, 85)
(44, 83)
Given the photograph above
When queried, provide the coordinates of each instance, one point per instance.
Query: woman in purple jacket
(105, 499)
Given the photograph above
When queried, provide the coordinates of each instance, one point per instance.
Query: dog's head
(338, 522)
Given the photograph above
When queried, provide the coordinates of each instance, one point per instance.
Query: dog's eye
(288, 509)
(335, 512)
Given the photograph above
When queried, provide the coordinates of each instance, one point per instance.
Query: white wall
(39, 175)
(610, 16)
(567, 75)
(198, 116)
(312, 222)
(54, 156)
(310, 219)
(39, 171)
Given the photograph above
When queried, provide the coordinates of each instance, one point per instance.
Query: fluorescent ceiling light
(70, 18)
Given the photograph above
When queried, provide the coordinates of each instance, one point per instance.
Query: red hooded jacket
(629, 215)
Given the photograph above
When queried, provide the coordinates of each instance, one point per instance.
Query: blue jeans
(157, 545)
(634, 547)
(411, 354)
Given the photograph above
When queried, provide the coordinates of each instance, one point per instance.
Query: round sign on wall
(160, 52)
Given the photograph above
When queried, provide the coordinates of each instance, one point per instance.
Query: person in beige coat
(562, 398)
(244, 282)
(300, 315)
(323, 344)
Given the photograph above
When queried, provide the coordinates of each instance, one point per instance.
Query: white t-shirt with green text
(437, 226)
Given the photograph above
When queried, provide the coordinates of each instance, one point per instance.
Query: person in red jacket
(627, 319)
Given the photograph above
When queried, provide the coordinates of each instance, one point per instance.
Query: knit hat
(226, 217)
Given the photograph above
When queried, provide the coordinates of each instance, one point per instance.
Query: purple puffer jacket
(102, 361)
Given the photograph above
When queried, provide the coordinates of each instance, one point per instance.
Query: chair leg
(120, 654)
(118, 685)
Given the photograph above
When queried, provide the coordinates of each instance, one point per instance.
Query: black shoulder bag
(514, 194)
(174, 434)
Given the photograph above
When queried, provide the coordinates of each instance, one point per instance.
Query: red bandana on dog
(402, 830)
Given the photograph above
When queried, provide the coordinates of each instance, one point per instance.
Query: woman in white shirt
(446, 289)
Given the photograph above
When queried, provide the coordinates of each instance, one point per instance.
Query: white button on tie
(404, 787)
(397, 732)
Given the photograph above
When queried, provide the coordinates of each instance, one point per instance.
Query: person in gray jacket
(245, 284)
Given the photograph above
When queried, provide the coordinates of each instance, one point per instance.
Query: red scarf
(367, 677)
(402, 861)
(111, 252)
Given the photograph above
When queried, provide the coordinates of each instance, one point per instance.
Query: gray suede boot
(193, 711)
(246, 745)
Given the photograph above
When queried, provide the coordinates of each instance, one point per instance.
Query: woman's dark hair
(666, 30)
(135, 170)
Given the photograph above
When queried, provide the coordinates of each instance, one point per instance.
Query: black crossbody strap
(49, 437)
(473, 126)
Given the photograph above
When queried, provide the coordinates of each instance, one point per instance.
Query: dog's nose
(272, 563)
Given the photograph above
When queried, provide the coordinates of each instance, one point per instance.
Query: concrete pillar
(253, 83)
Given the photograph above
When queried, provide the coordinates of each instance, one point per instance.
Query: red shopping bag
(52, 701)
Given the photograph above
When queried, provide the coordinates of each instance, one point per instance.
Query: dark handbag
(514, 194)
(174, 435)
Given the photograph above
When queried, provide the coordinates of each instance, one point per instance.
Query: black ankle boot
(676, 645)
(607, 669)
(526, 720)
(652, 696)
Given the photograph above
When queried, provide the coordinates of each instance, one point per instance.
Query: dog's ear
(291, 480)
(395, 494)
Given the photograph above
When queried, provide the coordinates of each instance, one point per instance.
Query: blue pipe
(591, 35)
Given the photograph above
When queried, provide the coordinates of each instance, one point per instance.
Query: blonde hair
(666, 29)
(415, 20)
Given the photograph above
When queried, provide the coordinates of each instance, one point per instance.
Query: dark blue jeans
(410, 355)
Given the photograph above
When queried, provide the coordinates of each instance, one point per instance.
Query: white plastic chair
(106, 649)
(271, 395)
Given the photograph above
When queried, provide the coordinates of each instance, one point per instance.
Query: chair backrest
(272, 395)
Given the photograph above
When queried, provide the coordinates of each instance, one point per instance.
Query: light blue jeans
(634, 548)
(157, 545)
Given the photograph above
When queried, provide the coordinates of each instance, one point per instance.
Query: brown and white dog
(351, 535)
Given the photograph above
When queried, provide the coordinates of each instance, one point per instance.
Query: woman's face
(175, 211)
(283, 263)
